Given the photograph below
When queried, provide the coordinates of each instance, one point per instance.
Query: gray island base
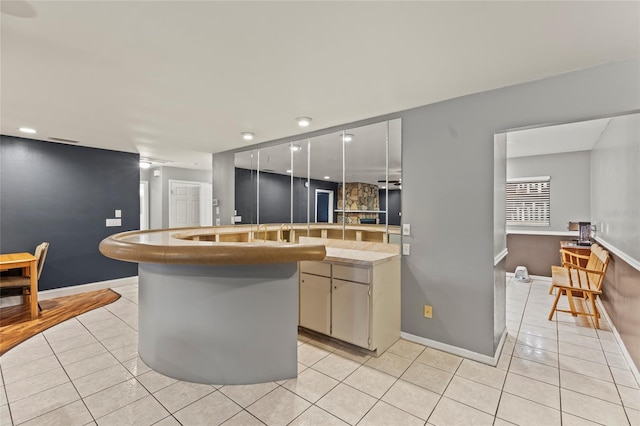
(224, 325)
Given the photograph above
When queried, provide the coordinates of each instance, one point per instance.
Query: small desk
(29, 263)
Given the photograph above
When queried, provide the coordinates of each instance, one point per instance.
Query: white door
(184, 200)
(350, 312)
(315, 302)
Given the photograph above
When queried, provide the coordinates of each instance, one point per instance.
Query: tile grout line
(514, 348)
(559, 374)
(396, 379)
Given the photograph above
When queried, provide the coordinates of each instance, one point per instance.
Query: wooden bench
(572, 280)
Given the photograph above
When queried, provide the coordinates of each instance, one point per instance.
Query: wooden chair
(571, 279)
(23, 282)
(572, 258)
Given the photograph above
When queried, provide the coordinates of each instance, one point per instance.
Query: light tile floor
(86, 371)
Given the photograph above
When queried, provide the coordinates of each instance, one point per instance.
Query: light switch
(217, 210)
(118, 213)
(406, 229)
(114, 222)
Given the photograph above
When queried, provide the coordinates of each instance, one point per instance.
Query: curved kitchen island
(216, 312)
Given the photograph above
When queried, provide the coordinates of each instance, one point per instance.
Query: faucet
(264, 235)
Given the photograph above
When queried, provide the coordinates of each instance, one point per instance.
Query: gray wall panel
(615, 206)
(448, 191)
(570, 185)
(223, 179)
(63, 194)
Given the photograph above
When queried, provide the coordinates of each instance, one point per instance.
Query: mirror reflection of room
(351, 178)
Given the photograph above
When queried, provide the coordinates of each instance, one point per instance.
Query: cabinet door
(315, 302)
(350, 312)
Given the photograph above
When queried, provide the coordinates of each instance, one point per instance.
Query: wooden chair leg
(572, 305)
(555, 303)
(594, 310)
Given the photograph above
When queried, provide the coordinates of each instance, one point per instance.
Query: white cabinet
(350, 312)
(358, 304)
(315, 302)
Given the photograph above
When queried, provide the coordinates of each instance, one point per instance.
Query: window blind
(528, 201)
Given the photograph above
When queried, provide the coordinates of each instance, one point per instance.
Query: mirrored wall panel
(345, 179)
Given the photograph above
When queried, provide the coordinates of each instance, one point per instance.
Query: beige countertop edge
(351, 261)
(358, 257)
(228, 254)
(162, 246)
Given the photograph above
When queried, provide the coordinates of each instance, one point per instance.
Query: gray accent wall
(615, 184)
(63, 194)
(570, 174)
(275, 197)
(538, 253)
(224, 186)
(448, 181)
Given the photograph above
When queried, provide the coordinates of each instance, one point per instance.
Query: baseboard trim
(68, 291)
(533, 277)
(465, 353)
(625, 352)
(498, 258)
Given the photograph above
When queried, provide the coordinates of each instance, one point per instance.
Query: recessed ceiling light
(289, 171)
(247, 136)
(303, 121)
(27, 130)
(145, 164)
(348, 137)
(327, 177)
(295, 148)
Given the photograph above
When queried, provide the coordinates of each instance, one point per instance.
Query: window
(528, 201)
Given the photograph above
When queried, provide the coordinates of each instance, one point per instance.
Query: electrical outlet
(406, 249)
(428, 311)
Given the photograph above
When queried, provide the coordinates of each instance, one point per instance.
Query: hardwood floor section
(16, 325)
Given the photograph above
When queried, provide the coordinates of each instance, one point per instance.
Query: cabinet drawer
(316, 268)
(352, 273)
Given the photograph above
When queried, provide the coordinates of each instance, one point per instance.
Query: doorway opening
(324, 206)
(189, 204)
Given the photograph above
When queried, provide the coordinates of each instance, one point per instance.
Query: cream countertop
(355, 252)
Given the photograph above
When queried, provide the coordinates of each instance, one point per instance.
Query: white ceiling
(579, 136)
(179, 80)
